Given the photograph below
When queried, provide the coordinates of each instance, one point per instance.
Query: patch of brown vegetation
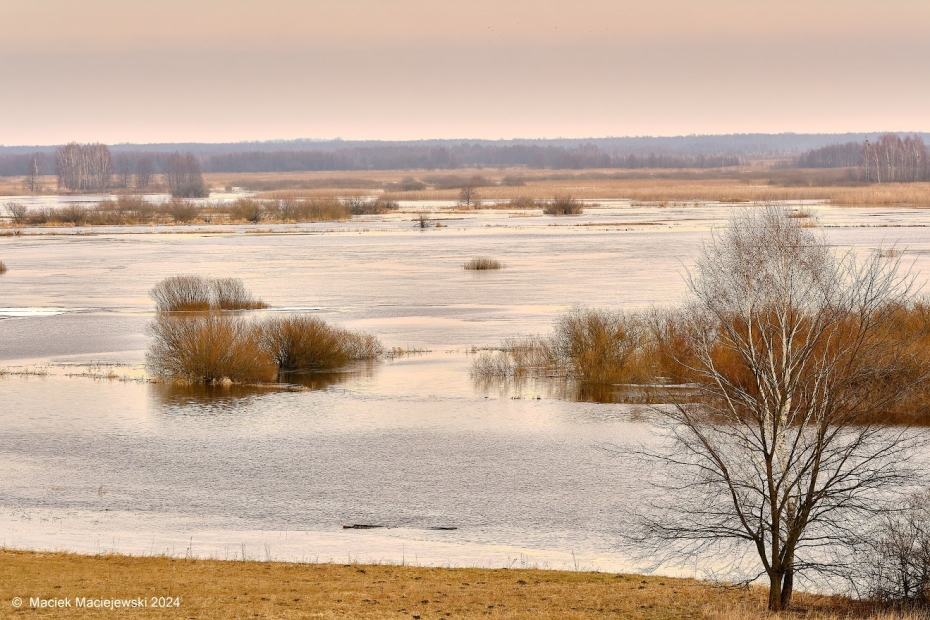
(210, 589)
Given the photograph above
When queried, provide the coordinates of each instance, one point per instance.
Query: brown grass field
(758, 182)
(211, 589)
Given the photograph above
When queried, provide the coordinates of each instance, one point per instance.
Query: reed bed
(482, 263)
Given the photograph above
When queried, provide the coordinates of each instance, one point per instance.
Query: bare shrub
(247, 209)
(298, 342)
(522, 202)
(359, 205)
(17, 211)
(182, 211)
(182, 294)
(896, 564)
(563, 205)
(3, 269)
(198, 294)
(482, 263)
(231, 294)
(72, 214)
(599, 345)
(208, 348)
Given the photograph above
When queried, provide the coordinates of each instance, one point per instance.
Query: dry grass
(2, 267)
(744, 184)
(482, 263)
(213, 590)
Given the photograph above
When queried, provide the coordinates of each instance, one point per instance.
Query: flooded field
(458, 472)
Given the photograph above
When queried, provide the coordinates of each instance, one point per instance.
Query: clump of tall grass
(482, 263)
(563, 205)
(299, 342)
(208, 348)
(199, 294)
(2, 267)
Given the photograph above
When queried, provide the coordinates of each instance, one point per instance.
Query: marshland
(460, 453)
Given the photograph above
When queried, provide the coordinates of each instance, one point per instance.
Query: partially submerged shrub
(208, 348)
(600, 346)
(481, 263)
(198, 294)
(213, 346)
(298, 342)
(563, 205)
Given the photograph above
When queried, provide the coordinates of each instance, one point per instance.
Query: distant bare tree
(33, 181)
(184, 178)
(17, 211)
(145, 169)
(83, 167)
(122, 165)
(789, 348)
(468, 196)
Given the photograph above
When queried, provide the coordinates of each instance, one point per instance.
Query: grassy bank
(217, 589)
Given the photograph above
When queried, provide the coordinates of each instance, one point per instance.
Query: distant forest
(882, 158)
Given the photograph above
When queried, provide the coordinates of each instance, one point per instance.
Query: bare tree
(468, 196)
(789, 350)
(145, 169)
(184, 178)
(83, 167)
(33, 181)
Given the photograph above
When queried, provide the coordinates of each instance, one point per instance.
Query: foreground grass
(216, 589)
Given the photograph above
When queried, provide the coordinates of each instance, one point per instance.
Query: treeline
(400, 157)
(124, 169)
(887, 159)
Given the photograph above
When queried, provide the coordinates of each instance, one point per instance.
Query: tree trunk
(787, 589)
(775, 593)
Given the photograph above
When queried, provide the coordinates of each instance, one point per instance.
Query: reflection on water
(411, 442)
(567, 389)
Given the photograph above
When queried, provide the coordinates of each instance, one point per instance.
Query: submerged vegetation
(482, 263)
(196, 339)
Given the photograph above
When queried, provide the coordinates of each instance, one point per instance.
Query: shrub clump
(208, 348)
(199, 294)
(300, 342)
(214, 347)
(563, 205)
(2, 267)
(481, 263)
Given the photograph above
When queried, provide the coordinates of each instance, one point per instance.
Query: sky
(237, 70)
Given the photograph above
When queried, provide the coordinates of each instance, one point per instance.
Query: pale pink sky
(227, 70)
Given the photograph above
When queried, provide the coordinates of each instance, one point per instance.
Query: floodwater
(93, 458)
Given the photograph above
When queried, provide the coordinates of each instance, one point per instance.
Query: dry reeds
(482, 263)
(199, 294)
(300, 342)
